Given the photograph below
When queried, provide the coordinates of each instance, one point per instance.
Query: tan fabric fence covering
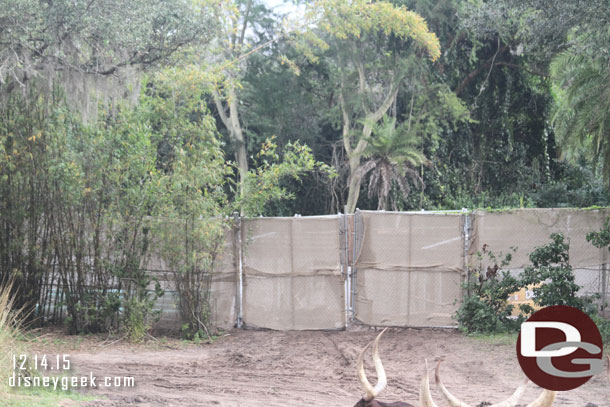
(292, 273)
(409, 269)
(529, 228)
(409, 265)
(224, 287)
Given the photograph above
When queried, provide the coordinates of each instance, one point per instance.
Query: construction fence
(380, 268)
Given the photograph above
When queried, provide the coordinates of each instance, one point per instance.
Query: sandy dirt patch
(269, 368)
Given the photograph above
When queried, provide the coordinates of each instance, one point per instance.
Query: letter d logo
(528, 338)
(559, 348)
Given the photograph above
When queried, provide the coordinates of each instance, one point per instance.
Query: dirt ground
(269, 368)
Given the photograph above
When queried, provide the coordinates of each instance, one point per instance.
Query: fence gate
(408, 267)
(292, 273)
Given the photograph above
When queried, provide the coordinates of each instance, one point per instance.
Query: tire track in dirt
(269, 368)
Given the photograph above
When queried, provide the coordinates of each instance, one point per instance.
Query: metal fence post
(604, 304)
(240, 270)
(353, 270)
(345, 269)
(466, 235)
(604, 281)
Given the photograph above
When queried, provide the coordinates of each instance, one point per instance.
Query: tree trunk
(231, 121)
(355, 180)
(355, 176)
(237, 136)
(354, 154)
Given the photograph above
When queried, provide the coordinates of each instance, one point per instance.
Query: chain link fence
(374, 268)
(526, 229)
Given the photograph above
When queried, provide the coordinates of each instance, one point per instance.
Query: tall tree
(373, 47)
(79, 44)
(244, 28)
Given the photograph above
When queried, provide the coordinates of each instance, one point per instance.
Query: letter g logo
(560, 348)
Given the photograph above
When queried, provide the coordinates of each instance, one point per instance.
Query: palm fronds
(582, 115)
(392, 153)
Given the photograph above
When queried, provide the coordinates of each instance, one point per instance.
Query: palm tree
(390, 159)
(582, 93)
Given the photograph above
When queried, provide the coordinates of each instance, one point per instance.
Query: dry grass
(10, 324)
(12, 342)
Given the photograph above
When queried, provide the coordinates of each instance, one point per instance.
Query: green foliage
(575, 186)
(552, 273)
(484, 308)
(46, 39)
(370, 48)
(603, 325)
(582, 113)
(195, 187)
(391, 157)
(86, 191)
(349, 20)
(139, 314)
(191, 194)
(265, 182)
(601, 238)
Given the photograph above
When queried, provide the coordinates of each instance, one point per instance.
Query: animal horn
(514, 398)
(425, 397)
(545, 399)
(382, 381)
(455, 402)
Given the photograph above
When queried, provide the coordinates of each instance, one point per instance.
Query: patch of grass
(43, 397)
(506, 338)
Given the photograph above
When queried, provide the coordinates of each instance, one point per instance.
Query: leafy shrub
(604, 327)
(601, 239)
(485, 309)
(551, 266)
(138, 315)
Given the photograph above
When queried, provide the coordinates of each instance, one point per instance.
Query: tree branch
(243, 29)
(533, 72)
(221, 110)
(346, 125)
(466, 81)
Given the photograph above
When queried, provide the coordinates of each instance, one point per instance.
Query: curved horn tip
(425, 397)
(451, 399)
(382, 380)
(545, 399)
(382, 332)
(368, 388)
(437, 377)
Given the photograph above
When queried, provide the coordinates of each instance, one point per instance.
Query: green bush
(138, 314)
(485, 309)
(551, 266)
